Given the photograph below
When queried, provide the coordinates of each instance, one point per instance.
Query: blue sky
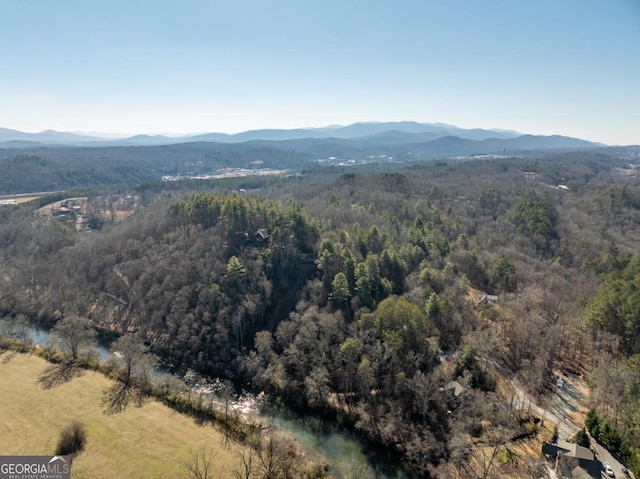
(567, 67)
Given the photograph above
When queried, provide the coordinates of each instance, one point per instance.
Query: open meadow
(151, 441)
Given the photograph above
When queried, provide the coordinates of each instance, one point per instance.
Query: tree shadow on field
(8, 355)
(116, 398)
(57, 374)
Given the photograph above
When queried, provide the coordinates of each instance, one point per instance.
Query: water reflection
(40, 336)
(348, 455)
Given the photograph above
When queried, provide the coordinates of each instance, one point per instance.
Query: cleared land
(151, 441)
(15, 200)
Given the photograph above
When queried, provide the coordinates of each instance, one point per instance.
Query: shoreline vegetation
(243, 439)
(238, 429)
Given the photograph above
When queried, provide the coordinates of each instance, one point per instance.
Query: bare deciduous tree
(73, 335)
(200, 465)
(277, 457)
(248, 456)
(356, 470)
(135, 362)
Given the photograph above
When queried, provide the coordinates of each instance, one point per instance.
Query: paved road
(568, 400)
(605, 457)
(563, 405)
(565, 402)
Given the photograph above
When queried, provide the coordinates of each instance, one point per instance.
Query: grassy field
(151, 441)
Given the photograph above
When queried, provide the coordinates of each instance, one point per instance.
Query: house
(571, 460)
(487, 300)
(261, 237)
(454, 391)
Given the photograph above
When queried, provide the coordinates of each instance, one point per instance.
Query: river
(40, 336)
(347, 455)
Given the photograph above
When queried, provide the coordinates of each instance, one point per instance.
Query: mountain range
(378, 137)
(53, 161)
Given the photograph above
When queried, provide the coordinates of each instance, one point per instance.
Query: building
(571, 460)
(486, 300)
(262, 236)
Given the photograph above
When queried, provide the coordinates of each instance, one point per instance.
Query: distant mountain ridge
(29, 166)
(355, 130)
(423, 138)
(45, 137)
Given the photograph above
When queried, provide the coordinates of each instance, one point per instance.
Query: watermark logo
(35, 467)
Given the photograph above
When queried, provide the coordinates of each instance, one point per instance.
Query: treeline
(64, 167)
(23, 173)
(611, 318)
(360, 296)
(603, 430)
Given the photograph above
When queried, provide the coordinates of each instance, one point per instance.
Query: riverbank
(168, 394)
(239, 421)
(149, 441)
(204, 398)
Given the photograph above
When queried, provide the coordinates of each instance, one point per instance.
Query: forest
(38, 167)
(358, 295)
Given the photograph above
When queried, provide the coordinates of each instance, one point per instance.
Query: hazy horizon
(567, 68)
(116, 134)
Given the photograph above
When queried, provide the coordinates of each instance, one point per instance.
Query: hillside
(354, 295)
(41, 168)
(53, 161)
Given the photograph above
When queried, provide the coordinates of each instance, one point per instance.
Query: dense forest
(60, 168)
(40, 168)
(359, 294)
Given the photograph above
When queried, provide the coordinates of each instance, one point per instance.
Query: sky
(569, 67)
